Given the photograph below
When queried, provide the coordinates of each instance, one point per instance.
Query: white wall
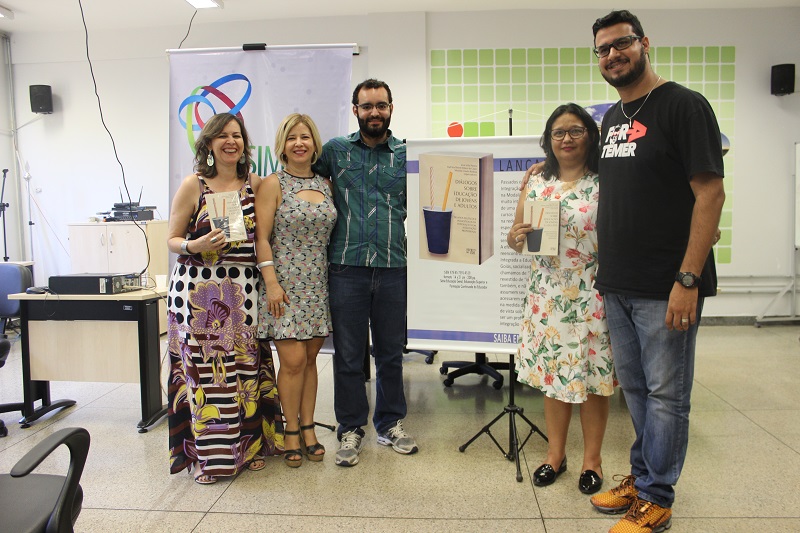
(71, 160)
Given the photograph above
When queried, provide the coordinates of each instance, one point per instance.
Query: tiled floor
(741, 474)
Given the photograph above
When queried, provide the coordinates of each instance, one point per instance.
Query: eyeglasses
(381, 106)
(574, 133)
(618, 44)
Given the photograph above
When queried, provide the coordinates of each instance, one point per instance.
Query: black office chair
(45, 502)
(13, 279)
(480, 366)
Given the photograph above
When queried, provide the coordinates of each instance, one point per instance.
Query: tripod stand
(513, 411)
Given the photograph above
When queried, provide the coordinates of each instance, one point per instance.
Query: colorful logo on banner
(194, 107)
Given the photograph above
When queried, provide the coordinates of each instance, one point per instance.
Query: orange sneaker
(644, 517)
(618, 499)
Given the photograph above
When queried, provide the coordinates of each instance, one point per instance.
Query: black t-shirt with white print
(646, 201)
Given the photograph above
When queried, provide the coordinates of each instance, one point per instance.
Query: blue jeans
(360, 298)
(655, 368)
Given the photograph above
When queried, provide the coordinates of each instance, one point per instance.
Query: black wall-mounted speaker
(782, 79)
(41, 99)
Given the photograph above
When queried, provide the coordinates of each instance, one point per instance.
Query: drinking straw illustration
(447, 189)
(541, 213)
(430, 181)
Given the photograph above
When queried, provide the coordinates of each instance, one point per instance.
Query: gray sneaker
(349, 447)
(398, 439)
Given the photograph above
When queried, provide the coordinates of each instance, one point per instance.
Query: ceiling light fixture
(6, 13)
(205, 4)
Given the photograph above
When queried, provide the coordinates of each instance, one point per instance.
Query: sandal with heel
(312, 450)
(293, 458)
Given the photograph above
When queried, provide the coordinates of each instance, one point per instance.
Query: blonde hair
(283, 133)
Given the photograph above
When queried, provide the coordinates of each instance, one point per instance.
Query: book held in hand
(225, 213)
(544, 216)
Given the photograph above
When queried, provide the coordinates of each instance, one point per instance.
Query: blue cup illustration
(437, 229)
(535, 240)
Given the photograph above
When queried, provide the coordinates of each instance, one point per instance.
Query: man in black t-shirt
(660, 202)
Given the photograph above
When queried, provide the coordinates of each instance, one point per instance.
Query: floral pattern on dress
(223, 404)
(564, 347)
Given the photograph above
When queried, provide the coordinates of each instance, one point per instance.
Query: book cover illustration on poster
(544, 216)
(225, 212)
(457, 207)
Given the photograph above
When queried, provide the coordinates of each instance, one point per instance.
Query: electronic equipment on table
(95, 283)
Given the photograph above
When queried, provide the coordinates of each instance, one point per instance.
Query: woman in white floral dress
(564, 347)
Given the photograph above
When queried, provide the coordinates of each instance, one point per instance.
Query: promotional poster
(465, 285)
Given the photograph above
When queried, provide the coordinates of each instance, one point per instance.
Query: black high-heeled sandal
(311, 451)
(293, 458)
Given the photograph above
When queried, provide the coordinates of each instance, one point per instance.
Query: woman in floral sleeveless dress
(223, 407)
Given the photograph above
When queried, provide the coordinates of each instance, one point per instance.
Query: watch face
(687, 279)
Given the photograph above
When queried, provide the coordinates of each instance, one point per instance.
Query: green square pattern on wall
(533, 81)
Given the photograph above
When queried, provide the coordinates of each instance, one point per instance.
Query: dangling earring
(242, 159)
(210, 159)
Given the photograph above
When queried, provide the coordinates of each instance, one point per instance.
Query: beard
(374, 132)
(636, 71)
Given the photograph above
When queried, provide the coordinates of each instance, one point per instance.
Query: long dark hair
(202, 146)
(551, 169)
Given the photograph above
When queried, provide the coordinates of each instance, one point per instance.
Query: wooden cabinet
(119, 247)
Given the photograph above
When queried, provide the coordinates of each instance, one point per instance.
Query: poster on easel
(466, 287)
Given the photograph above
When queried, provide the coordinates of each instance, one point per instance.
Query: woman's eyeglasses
(574, 133)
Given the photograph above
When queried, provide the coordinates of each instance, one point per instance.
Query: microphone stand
(3, 214)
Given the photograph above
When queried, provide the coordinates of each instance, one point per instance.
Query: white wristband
(185, 247)
(263, 264)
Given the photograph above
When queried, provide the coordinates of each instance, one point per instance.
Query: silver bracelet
(185, 247)
(263, 264)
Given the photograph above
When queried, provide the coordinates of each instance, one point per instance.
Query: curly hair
(202, 146)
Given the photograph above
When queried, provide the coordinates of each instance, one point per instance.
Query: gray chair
(45, 502)
(13, 279)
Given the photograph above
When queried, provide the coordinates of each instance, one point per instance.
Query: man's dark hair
(618, 17)
(371, 83)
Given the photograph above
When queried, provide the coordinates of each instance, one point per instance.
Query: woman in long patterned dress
(223, 407)
(296, 216)
(564, 347)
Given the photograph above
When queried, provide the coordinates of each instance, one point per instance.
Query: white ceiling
(64, 15)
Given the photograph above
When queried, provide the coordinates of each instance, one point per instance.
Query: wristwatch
(687, 279)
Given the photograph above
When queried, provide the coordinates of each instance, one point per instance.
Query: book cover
(456, 196)
(225, 212)
(544, 216)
